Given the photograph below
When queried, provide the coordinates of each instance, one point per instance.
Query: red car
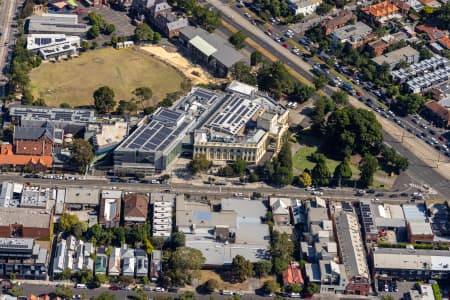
(359, 93)
(285, 45)
(114, 288)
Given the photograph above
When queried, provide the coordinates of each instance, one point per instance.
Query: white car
(159, 289)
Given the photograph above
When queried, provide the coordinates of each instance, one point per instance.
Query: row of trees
(143, 33)
(99, 26)
(198, 14)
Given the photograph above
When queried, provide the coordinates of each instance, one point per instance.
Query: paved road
(7, 10)
(418, 167)
(120, 295)
(214, 192)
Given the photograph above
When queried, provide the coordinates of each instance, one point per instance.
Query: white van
(226, 292)
(81, 286)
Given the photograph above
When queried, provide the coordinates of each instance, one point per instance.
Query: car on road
(370, 191)
(317, 193)
(114, 288)
(393, 196)
(379, 195)
(159, 289)
(404, 194)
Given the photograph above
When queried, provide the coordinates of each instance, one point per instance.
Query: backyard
(74, 81)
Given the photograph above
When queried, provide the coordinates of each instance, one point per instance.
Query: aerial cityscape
(224, 149)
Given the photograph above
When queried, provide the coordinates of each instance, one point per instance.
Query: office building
(50, 46)
(56, 24)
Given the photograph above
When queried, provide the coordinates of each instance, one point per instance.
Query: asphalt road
(120, 295)
(418, 170)
(215, 192)
(7, 10)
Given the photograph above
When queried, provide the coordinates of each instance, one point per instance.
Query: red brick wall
(31, 232)
(358, 289)
(5, 231)
(27, 147)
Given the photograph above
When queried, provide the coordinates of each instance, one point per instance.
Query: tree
(178, 239)
(67, 222)
(93, 32)
(282, 249)
(156, 37)
(85, 45)
(240, 71)
(238, 39)
(305, 179)
(256, 58)
(66, 274)
(343, 170)
(104, 99)
(64, 292)
(262, 267)
(323, 105)
(320, 82)
(275, 79)
(320, 173)
(104, 296)
(340, 98)
(211, 285)
(368, 167)
(239, 166)
(270, 286)
(65, 105)
(324, 8)
(157, 241)
(182, 265)
(148, 247)
(312, 288)
(143, 93)
(387, 297)
(16, 290)
(199, 163)
(411, 103)
(241, 269)
(301, 92)
(109, 28)
(143, 32)
(82, 154)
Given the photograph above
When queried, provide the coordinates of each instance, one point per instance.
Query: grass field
(301, 161)
(75, 80)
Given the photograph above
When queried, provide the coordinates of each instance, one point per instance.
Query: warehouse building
(56, 24)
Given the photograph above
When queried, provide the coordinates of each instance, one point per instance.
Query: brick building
(135, 209)
(343, 18)
(165, 20)
(35, 163)
(34, 140)
(26, 223)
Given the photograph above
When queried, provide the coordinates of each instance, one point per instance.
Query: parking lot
(393, 287)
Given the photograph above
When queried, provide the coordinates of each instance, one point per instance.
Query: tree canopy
(354, 130)
(240, 71)
(368, 166)
(82, 154)
(238, 39)
(241, 269)
(275, 79)
(104, 99)
(143, 33)
(182, 263)
(282, 249)
(199, 163)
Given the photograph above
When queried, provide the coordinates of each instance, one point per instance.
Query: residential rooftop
(411, 259)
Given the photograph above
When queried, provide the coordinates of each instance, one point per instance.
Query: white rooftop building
(53, 45)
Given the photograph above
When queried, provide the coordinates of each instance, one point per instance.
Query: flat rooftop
(16, 243)
(56, 23)
(396, 56)
(37, 113)
(352, 31)
(82, 196)
(28, 217)
(411, 259)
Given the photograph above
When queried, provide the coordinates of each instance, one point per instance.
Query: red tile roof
(292, 275)
(7, 157)
(381, 9)
(440, 111)
(445, 42)
(135, 205)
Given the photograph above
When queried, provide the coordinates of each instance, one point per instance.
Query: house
(155, 265)
(420, 232)
(110, 201)
(165, 20)
(305, 7)
(380, 45)
(135, 209)
(406, 54)
(40, 163)
(343, 18)
(24, 258)
(438, 114)
(141, 263)
(25, 223)
(441, 91)
(114, 266)
(355, 34)
(73, 254)
(382, 12)
(210, 50)
(128, 261)
(432, 33)
(292, 275)
(101, 261)
(56, 24)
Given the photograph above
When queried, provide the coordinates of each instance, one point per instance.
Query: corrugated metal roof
(202, 45)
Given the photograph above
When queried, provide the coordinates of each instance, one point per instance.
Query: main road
(420, 170)
(7, 9)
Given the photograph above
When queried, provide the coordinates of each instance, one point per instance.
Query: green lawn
(75, 80)
(301, 161)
